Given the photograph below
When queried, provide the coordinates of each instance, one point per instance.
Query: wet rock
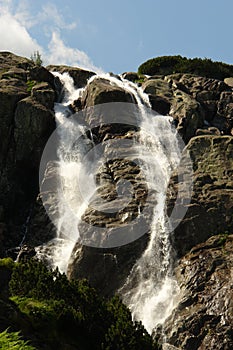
(79, 75)
(41, 74)
(105, 269)
(111, 228)
(194, 102)
(101, 91)
(111, 223)
(204, 318)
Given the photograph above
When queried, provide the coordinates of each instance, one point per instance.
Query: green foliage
(178, 64)
(71, 311)
(30, 84)
(7, 262)
(140, 79)
(222, 239)
(36, 58)
(123, 334)
(13, 341)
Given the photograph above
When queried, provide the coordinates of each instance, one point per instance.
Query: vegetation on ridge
(64, 313)
(178, 64)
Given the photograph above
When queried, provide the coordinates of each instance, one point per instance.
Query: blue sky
(116, 36)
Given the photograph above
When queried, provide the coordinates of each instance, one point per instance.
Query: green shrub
(36, 58)
(71, 311)
(30, 84)
(178, 64)
(7, 262)
(13, 341)
(123, 334)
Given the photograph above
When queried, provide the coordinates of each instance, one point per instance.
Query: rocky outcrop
(204, 318)
(134, 77)
(79, 75)
(107, 268)
(27, 120)
(108, 254)
(211, 207)
(101, 91)
(194, 102)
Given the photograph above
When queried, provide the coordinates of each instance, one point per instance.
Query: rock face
(204, 318)
(211, 207)
(194, 102)
(27, 120)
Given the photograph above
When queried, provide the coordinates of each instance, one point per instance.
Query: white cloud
(15, 35)
(51, 14)
(59, 53)
(23, 15)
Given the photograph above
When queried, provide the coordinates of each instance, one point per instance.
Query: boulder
(105, 269)
(168, 96)
(79, 75)
(101, 91)
(194, 102)
(207, 92)
(44, 94)
(134, 77)
(229, 81)
(8, 60)
(187, 113)
(203, 319)
(160, 104)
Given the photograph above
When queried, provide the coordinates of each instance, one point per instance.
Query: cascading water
(57, 251)
(150, 290)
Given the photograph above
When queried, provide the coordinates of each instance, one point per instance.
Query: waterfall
(70, 204)
(150, 291)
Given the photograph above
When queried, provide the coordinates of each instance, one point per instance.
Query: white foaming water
(150, 290)
(71, 203)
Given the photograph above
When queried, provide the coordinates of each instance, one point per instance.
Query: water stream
(150, 290)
